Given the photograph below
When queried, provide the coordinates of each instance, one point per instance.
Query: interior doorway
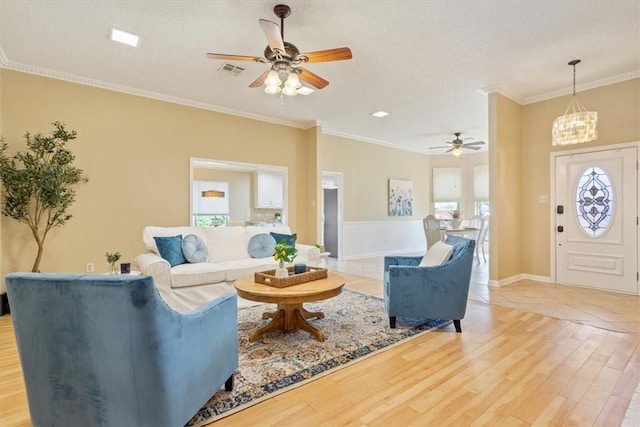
(332, 213)
(596, 219)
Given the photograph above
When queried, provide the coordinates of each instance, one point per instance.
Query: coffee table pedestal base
(289, 318)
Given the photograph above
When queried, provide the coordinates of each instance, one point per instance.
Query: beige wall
(367, 169)
(618, 107)
(136, 153)
(505, 133)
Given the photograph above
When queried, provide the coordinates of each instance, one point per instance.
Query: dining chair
(482, 237)
(432, 232)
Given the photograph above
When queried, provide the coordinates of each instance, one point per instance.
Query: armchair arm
(401, 260)
(155, 266)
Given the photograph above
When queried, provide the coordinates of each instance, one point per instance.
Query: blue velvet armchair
(437, 292)
(101, 350)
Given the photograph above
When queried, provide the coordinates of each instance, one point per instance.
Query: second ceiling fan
(455, 147)
(285, 59)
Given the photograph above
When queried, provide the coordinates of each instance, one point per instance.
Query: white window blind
(447, 184)
(210, 205)
(481, 182)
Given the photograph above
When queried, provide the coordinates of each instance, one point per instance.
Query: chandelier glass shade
(457, 151)
(576, 125)
(273, 83)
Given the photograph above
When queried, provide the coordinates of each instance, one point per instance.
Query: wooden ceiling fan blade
(338, 54)
(471, 148)
(313, 79)
(260, 80)
(450, 150)
(233, 57)
(272, 31)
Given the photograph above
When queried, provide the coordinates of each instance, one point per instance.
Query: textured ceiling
(429, 63)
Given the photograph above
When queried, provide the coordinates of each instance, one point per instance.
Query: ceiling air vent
(231, 69)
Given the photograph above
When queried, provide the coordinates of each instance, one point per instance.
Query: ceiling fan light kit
(577, 126)
(285, 74)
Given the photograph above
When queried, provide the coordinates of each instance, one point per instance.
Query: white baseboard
(517, 278)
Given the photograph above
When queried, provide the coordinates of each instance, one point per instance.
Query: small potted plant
(112, 258)
(284, 252)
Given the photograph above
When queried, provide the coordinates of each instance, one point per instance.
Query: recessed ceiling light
(123, 37)
(303, 90)
(380, 114)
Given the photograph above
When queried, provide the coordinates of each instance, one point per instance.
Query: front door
(596, 219)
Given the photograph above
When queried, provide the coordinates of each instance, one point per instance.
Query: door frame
(340, 186)
(552, 195)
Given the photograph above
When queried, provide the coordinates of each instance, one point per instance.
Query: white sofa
(186, 287)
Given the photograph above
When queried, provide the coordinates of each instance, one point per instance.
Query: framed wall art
(400, 197)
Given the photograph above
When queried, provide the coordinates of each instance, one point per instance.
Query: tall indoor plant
(37, 184)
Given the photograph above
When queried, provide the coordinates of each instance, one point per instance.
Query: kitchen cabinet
(269, 190)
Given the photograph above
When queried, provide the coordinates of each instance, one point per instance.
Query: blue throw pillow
(194, 249)
(170, 249)
(261, 246)
(289, 239)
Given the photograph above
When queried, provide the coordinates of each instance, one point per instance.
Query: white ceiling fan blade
(272, 31)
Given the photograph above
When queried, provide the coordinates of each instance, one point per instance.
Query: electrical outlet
(543, 199)
(90, 267)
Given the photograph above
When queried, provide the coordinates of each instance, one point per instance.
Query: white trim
(23, 68)
(374, 141)
(408, 252)
(518, 278)
(564, 91)
(3, 58)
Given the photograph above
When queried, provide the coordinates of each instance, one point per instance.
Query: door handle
(560, 229)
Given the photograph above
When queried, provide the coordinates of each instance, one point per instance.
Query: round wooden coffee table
(290, 315)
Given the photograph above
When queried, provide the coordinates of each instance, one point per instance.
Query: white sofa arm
(155, 266)
(308, 253)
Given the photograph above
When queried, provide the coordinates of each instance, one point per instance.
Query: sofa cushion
(170, 249)
(243, 268)
(437, 254)
(289, 239)
(261, 246)
(151, 231)
(226, 243)
(194, 249)
(201, 273)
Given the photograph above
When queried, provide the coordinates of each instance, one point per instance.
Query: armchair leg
(456, 323)
(392, 322)
(228, 385)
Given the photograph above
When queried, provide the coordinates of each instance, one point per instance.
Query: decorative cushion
(289, 239)
(261, 246)
(170, 249)
(437, 254)
(194, 249)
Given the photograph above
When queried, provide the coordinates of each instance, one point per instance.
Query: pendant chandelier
(577, 126)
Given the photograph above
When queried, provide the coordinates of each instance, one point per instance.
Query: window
(446, 191)
(594, 201)
(210, 211)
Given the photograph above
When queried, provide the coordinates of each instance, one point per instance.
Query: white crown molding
(23, 68)
(583, 86)
(373, 141)
(497, 89)
(561, 92)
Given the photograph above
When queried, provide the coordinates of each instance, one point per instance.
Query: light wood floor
(509, 367)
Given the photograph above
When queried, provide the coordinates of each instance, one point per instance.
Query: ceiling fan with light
(456, 146)
(285, 58)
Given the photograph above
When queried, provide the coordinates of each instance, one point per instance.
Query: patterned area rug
(355, 325)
